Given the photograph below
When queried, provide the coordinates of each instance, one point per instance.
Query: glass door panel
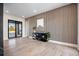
(19, 29)
(11, 29)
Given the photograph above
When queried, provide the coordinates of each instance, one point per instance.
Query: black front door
(14, 29)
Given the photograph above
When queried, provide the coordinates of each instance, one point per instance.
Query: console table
(40, 36)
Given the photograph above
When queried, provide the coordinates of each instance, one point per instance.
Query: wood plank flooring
(30, 47)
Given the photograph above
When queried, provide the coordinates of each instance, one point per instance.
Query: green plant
(48, 35)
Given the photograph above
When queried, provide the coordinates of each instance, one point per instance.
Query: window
(40, 22)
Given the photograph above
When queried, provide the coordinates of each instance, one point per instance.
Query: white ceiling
(30, 9)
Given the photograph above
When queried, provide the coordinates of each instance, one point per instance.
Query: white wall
(27, 27)
(5, 25)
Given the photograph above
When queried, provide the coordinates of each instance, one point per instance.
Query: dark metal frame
(1, 30)
(15, 28)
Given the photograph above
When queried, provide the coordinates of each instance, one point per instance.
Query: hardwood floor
(30, 47)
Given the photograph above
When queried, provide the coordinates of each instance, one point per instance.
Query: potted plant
(48, 35)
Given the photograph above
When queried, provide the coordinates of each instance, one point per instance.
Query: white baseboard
(63, 43)
(30, 37)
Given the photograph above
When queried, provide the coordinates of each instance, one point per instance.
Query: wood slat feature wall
(60, 22)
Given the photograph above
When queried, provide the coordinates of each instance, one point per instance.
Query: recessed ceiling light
(23, 16)
(34, 10)
(7, 11)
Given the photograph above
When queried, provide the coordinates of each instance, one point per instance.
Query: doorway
(14, 29)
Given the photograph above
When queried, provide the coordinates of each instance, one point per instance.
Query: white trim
(63, 43)
(30, 37)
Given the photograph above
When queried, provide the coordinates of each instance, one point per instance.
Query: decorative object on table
(34, 29)
(40, 29)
